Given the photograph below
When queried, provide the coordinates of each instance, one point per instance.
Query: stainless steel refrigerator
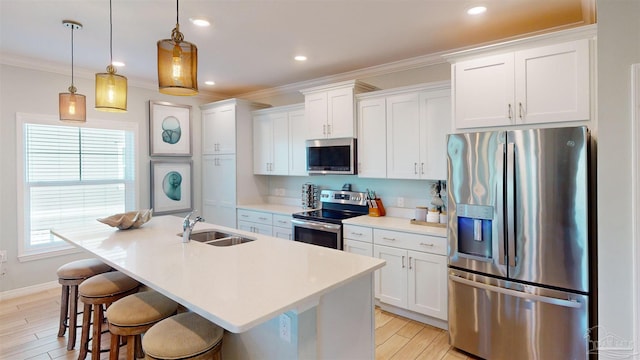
(519, 243)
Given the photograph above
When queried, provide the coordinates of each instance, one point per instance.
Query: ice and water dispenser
(474, 230)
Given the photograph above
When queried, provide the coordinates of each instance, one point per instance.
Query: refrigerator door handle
(511, 237)
(510, 292)
(500, 207)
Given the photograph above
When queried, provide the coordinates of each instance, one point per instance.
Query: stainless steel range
(324, 226)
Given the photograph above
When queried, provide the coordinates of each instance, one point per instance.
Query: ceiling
(251, 43)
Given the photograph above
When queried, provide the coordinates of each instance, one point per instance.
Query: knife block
(376, 208)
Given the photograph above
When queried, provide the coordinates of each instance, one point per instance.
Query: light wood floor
(29, 327)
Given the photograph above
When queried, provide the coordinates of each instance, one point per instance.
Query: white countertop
(397, 224)
(236, 287)
(273, 208)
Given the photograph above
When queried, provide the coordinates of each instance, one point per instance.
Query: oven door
(317, 233)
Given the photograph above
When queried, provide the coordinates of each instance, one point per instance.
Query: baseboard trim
(442, 324)
(28, 290)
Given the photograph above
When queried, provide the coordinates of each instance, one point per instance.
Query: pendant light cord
(177, 10)
(72, 26)
(110, 35)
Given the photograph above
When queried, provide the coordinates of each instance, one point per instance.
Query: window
(71, 176)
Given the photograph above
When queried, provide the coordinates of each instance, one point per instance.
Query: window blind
(74, 175)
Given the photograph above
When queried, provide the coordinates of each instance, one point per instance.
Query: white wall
(618, 48)
(33, 91)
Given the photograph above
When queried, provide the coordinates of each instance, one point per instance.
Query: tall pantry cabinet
(227, 163)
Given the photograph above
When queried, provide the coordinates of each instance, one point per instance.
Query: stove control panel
(343, 197)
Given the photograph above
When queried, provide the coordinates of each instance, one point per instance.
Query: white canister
(433, 216)
(443, 218)
(421, 213)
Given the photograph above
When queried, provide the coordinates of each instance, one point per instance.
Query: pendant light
(111, 89)
(72, 106)
(177, 64)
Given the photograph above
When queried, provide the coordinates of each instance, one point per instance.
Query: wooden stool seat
(183, 336)
(99, 290)
(132, 315)
(70, 275)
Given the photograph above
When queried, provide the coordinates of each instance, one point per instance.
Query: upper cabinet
(330, 109)
(279, 136)
(219, 130)
(530, 85)
(402, 132)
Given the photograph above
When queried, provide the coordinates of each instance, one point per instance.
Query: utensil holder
(376, 208)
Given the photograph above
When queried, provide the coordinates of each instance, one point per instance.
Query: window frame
(24, 252)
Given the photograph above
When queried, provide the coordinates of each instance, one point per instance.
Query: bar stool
(184, 336)
(95, 292)
(70, 275)
(133, 315)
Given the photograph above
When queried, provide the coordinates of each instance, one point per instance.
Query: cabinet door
(403, 136)
(484, 92)
(427, 278)
(435, 124)
(341, 114)
(262, 144)
(372, 138)
(391, 280)
(316, 113)
(218, 189)
(358, 247)
(280, 144)
(552, 83)
(219, 130)
(297, 146)
(283, 233)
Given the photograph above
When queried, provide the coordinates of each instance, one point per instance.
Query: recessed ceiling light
(209, 82)
(117, 63)
(476, 10)
(300, 58)
(200, 22)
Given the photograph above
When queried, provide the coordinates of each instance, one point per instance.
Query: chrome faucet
(187, 226)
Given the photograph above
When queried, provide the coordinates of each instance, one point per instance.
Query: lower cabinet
(358, 240)
(265, 223)
(413, 280)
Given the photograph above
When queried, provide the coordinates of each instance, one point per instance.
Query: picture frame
(169, 129)
(171, 186)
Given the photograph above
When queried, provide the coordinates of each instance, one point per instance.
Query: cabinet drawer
(255, 228)
(360, 233)
(255, 216)
(282, 221)
(409, 241)
(283, 233)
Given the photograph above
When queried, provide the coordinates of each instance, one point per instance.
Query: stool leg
(73, 318)
(98, 317)
(131, 346)
(84, 338)
(114, 349)
(139, 351)
(64, 310)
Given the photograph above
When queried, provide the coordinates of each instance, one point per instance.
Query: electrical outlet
(400, 202)
(3, 255)
(285, 328)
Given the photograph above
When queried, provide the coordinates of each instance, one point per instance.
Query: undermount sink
(217, 238)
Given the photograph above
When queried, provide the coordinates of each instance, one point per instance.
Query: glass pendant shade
(177, 67)
(73, 107)
(111, 91)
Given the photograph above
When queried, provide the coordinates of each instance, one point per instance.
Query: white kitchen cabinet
(219, 129)
(417, 124)
(372, 138)
(271, 144)
(282, 227)
(358, 239)
(415, 277)
(255, 221)
(218, 194)
(330, 109)
(227, 165)
(279, 136)
(530, 86)
(297, 141)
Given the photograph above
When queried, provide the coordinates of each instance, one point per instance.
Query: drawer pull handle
(390, 239)
(356, 234)
(243, 215)
(429, 245)
(282, 221)
(262, 218)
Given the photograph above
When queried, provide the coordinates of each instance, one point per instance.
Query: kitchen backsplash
(400, 197)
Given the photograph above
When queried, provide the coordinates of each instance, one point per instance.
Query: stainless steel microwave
(332, 156)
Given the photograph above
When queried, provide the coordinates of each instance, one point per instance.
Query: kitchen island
(276, 298)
